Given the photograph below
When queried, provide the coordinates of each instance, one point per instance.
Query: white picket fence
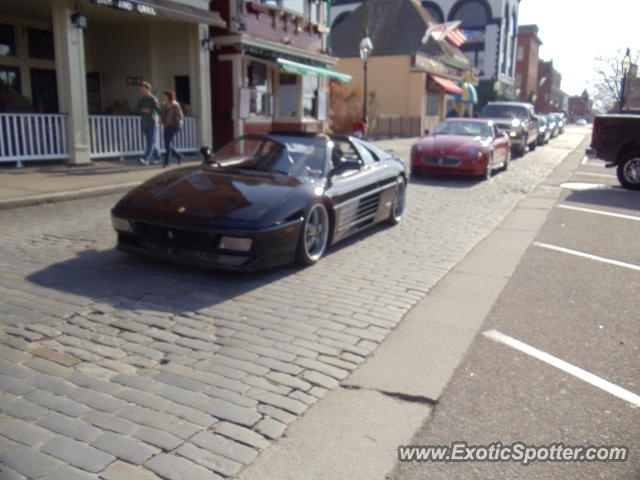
(25, 137)
(121, 136)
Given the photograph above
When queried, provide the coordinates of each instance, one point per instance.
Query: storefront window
(9, 80)
(41, 44)
(316, 11)
(258, 82)
(288, 94)
(310, 96)
(433, 100)
(7, 40)
(294, 5)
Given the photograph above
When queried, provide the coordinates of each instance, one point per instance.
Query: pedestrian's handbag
(178, 118)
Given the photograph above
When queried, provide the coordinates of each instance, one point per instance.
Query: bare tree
(608, 88)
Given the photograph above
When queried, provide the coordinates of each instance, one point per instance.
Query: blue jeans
(169, 133)
(150, 134)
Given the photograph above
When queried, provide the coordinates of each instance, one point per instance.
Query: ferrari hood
(203, 194)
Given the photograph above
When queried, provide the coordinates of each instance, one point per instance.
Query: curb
(68, 195)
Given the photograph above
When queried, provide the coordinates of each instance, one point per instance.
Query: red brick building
(269, 69)
(549, 93)
(527, 62)
(580, 106)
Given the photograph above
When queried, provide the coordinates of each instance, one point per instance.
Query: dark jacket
(150, 102)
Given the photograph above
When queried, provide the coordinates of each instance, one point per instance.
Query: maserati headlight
(474, 152)
(121, 225)
(235, 243)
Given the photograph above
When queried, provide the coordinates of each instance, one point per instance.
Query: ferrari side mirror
(206, 153)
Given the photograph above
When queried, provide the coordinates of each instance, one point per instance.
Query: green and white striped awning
(304, 69)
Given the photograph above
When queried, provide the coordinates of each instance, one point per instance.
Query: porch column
(71, 74)
(199, 75)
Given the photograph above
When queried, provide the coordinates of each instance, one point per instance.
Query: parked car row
(469, 146)
(267, 200)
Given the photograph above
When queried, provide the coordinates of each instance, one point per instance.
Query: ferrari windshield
(288, 154)
(462, 127)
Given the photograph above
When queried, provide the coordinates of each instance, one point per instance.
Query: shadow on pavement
(126, 281)
(615, 197)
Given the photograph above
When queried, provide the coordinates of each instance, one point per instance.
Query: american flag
(457, 36)
(449, 30)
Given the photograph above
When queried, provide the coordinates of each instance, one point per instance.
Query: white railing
(121, 136)
(37, 136)
(27, 136)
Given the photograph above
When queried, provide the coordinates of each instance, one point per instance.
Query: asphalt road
(126, 368)
(579, 309)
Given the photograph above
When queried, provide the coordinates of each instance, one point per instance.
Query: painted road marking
(594, 174)
(566, 367)
(588, 255)
(600, 212)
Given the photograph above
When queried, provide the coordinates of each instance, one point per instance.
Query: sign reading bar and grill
(127, 5)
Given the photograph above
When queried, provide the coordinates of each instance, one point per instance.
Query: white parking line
(600, 212)
(566, 367)
(594, 174)
(588, 255)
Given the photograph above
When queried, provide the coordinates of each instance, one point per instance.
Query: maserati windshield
(462, 127)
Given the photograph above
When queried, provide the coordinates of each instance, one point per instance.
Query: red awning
(447, 84)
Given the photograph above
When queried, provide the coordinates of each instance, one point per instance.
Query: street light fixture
(626, 66)
(366, 47)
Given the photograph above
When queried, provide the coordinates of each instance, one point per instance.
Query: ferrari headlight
(235, 243)
(121, 225)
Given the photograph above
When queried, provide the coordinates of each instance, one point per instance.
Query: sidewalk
(21, 187)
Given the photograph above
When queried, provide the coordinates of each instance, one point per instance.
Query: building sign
(128, 6)
(431, 65)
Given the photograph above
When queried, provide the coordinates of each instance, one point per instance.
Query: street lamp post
(626, 66)
(365, 53)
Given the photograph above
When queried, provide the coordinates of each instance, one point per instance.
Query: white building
(70, 70)
(492, 30)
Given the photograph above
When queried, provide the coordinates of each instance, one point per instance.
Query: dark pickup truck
(616, 140)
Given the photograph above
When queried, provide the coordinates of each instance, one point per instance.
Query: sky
(573, 32)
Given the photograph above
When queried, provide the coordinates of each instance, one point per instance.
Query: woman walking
(172, 120)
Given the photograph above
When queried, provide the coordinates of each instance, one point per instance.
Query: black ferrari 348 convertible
(263, 200)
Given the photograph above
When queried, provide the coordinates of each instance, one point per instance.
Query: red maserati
(464, 146)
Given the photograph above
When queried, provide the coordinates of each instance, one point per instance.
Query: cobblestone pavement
(114, 367)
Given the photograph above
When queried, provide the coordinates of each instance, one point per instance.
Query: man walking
(149, 110)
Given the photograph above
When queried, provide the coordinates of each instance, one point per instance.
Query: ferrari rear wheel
(399, 200)
(314, 235)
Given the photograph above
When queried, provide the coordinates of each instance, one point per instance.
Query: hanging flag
(457, 36)
(448, 30)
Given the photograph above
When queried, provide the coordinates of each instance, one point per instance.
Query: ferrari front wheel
(314, 236)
